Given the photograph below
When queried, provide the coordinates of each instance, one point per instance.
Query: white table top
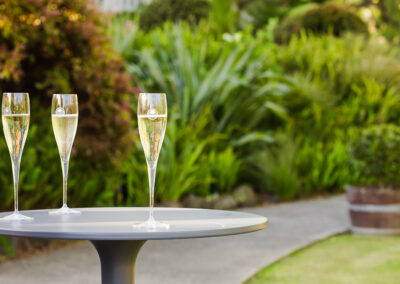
(116, 223)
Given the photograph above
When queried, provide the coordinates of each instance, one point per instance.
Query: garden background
(267, 94)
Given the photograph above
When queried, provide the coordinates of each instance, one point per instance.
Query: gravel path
(231, 259)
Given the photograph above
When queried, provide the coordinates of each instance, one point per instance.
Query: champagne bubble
(152, 113)
(60, 110)
(6, 110)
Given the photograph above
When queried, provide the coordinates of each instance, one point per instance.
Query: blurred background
(265, 97)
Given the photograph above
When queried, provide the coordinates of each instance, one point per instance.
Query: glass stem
(64, 165)
(152, 177)
(15, 168)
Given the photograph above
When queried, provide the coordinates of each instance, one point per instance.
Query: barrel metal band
(375, 231)
(375, 208)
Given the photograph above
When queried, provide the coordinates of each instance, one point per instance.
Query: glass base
(64, 210)
(151, 224)
(16, 216)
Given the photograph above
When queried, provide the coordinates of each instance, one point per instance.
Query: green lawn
(340, 259)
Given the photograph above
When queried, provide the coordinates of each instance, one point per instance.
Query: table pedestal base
(117, 260)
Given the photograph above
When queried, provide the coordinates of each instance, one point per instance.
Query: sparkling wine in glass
(152, 120)
(64, 117)
(15, 118)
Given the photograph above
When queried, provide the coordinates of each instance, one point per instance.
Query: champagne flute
(15, 117)
(64, 117)
(152, 119)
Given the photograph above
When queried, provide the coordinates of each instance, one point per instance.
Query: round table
(118, 242)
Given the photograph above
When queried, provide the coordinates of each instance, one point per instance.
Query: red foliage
(61, 46)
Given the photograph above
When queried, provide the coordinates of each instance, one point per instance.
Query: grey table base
(117, 259)
(118, 243)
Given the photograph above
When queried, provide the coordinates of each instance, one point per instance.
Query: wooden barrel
(374, 211)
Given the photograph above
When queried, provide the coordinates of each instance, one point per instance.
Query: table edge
(161, 235)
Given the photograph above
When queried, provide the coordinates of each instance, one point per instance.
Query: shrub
(183, 166)
(224, 167)
(323, 166)
(61, 46)
(263, 10)
(274, 170)
(354, 79)
(390, 16)
(327, 18)
(344, 84)
(376, 155)
(159, 11)
(224, 16)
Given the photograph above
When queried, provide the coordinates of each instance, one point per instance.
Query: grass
(341, 259)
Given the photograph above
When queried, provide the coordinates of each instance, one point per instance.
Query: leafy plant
(122, 29)
(327, 18)
(383, 17)
(238, 90)
(375, 155)
(324, 166)
(261, 11)
(224, 16)
(196, 73)
(275, 171)
(63, 47)
(7, 248)
(224, 168)
(221, 98)
(159, 11)
(340, 87)
(181, 167)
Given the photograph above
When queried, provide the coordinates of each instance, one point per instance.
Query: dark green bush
(386, 15)
(274, 169)
(62, 46)
(327, 18)
(263, 10)
(376, 155)
(159, 11)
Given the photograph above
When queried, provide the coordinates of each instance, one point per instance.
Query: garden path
(221, 260)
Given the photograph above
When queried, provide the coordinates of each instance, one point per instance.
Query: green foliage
(324, 166)
(184, 164)
(360, 76)
(390, 11)
(224, 16)
(214, 120)
(316, 89)
(263, 10)
(352, 82)
(7, 248)
(63, 47)
(122, 29)
(192, 71)
(383, 17)
(224, 168)
(375, 152)
(274, 171)
(159, 11)
(184, 152)
(390, 15)
(327, 18)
